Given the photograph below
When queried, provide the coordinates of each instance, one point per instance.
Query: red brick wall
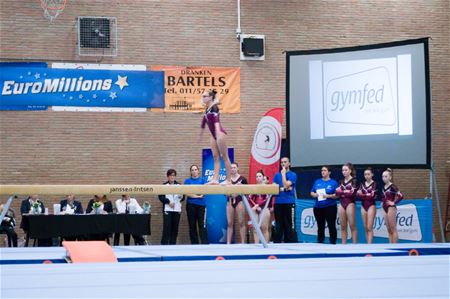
(80, 148)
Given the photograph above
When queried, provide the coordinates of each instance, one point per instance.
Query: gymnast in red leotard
(389, 198)
(219, 147)
(368, 193)
(347, 210)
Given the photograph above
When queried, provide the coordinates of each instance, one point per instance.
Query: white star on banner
(37, 75)
(121, 81)
(80, 96)
(112, 95)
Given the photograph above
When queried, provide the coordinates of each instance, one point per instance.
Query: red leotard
(211, 117)
(367, 194)
(346, 192)
(390, 193)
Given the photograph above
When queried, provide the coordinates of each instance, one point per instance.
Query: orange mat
(89, 252)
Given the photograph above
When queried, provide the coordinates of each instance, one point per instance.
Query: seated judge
(33, 205)
(105, 207)
(128, 205)
(70, 206)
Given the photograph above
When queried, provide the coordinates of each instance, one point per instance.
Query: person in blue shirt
(196, 209)
(325, 207)
(284, 207)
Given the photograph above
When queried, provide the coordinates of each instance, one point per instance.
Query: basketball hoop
(52, 8)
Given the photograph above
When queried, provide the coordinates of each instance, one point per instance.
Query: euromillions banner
(36, 88)
(414, 222)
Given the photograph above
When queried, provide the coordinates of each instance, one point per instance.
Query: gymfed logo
(309, 224)
(364, 97)
(408, 225)
(267, 141)
(12, 87)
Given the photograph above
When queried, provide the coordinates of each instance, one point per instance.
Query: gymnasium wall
(48, 147)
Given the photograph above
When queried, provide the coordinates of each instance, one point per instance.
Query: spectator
(196, 209)
(285, 204)
(171, 211)
(7, 227)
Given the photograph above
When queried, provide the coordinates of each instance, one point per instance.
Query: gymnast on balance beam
(218, 136)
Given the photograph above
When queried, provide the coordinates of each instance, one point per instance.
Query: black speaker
(253, 46)
(95, 33)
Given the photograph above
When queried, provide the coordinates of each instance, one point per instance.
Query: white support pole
(254, 222)
(438, 203)
(238, 29)
(265, 207)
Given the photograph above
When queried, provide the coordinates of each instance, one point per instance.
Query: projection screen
(369, 105)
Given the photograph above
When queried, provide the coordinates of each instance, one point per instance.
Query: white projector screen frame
(373, 108)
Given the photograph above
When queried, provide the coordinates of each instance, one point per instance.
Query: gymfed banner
(216, 205)
(266, 145)
(42, 87)
(414, 222)
(185, 85)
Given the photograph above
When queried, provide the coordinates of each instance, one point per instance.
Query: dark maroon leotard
(367, 194)
(211, 117)
(349, 196)
(235, 200)
(390, 193)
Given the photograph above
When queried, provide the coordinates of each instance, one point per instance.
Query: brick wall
(80, 148)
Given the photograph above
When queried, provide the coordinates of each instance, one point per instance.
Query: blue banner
(23, 65)
(216, 205)
(41, 87)
(414, 222)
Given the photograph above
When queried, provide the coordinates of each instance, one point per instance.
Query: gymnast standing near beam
(218, 141)
(368, 193)
(390, 197)
(347, 194)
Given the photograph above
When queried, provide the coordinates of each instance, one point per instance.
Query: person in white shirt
(171, 211)
(128, 205)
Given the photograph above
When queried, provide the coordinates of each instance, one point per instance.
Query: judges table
(49, 226)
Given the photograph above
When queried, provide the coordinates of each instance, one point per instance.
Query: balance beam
(136, 189)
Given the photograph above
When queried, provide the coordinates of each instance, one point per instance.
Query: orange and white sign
(185, 85)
